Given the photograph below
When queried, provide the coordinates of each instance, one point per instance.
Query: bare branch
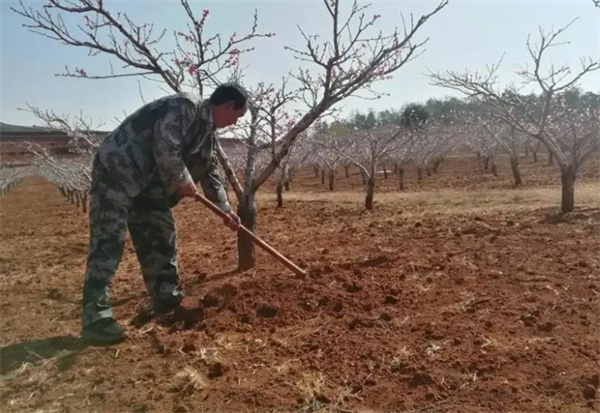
(347, 68)
(531, 117)
(135, 45)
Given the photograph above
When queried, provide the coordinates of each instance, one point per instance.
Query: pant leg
(154, 237)
(109, 208)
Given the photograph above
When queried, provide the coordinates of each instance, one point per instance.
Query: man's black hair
(228, 92)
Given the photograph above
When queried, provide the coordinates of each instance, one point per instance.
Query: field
(463, 295)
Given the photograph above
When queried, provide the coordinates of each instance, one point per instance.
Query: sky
(465, 35)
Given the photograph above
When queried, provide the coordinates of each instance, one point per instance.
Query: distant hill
(12, 133)
(8, 128)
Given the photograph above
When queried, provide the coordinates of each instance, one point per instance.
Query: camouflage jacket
(170, 139)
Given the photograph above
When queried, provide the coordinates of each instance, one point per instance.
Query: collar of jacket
(206, 115)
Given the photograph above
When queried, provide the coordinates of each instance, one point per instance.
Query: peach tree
(352, 58)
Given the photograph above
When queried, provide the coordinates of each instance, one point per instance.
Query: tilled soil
(400, 311)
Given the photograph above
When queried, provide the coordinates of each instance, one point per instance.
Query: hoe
(297, 270)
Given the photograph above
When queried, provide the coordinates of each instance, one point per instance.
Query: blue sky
(464, 35)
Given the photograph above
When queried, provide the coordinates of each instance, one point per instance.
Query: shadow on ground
(64, 348)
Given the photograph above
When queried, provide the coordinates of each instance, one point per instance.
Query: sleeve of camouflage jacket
(212, 186)
(169, 134)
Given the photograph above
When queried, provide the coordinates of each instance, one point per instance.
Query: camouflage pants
(152, 229)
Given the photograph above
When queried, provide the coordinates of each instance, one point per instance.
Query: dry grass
(190, 380)
(452, 200)
(310, 386)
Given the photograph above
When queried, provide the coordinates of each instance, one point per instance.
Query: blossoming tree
(352, 59)
(567, 131)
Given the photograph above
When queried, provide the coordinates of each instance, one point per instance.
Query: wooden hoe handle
(297, 270)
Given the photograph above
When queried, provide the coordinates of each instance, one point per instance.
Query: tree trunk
(323, 176)
(279, 194)
(401, 178)
(385, 173)
(534, 156)
(287, 177)
(436, 165)
(370, 192)
(486, 163)
(526, 151)
(514, 164)
(84, 202)
(419, 175)
(494, 169)
(316, 170)
(364, 177)
(568, 176)
(347, 170)
(247, 212)
(331, 179)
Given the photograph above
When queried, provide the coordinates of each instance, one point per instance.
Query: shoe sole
(94, 336)
(161, 310)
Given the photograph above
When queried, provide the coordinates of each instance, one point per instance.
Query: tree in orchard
(490, 135)
(403, 153)
(577, 136)
(72, 175)
(269, 119)
(537, 118)
(532, 145)
(430, 143)
(352, 59)
(367, 147)
(295, 159)
(482, 143)
(11, 177)
(510, 140)
(328, 144)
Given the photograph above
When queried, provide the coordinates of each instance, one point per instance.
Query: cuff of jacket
(225, 206)
(183, 177)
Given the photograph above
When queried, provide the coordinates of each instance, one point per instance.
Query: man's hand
(188, 190)
(232, 221)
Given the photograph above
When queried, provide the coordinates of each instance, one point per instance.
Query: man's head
(229, 103)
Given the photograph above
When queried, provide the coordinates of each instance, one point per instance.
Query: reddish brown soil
(400, 311)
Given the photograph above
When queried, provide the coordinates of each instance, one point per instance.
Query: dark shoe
(105, 330)
(163, 307)
(169, 304)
